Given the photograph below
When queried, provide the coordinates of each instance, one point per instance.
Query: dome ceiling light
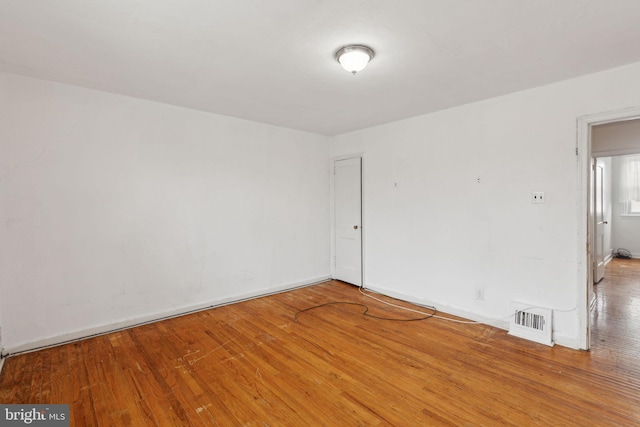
(354, 58)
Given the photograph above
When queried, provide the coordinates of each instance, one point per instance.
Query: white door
(348, 220)
(600, 222)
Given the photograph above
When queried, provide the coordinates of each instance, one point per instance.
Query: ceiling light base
(354, 58)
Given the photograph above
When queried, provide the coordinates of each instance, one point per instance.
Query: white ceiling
(272, 61)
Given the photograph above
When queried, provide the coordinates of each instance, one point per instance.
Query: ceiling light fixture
(354, 58)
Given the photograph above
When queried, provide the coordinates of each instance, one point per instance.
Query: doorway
(586, 151)
(347, 203)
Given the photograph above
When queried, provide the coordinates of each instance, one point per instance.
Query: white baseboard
(565, 341)
(500, 323)
(141, 320)
(562, 340)
(634, 255)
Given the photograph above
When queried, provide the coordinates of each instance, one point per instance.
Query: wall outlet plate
(538, 197)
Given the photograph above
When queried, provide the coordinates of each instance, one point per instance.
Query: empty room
(336, 213)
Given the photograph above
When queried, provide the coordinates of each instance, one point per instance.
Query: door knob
(355, 227)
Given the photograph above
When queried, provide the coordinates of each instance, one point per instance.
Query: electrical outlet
(538, 197)
(480, 294)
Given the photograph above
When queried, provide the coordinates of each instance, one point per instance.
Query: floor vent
(532, 323)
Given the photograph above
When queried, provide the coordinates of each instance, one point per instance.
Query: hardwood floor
(615, 321)
(251, 363)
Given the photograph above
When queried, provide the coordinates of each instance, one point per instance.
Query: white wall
(434, 234)
(625, 228)
(116, 209)
(1, 330)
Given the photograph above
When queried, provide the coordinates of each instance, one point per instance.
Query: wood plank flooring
(252, 364)
(615, 321)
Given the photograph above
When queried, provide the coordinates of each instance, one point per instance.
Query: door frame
(332, 213)
(585, 224)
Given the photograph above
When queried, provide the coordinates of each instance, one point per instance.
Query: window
(630, 185)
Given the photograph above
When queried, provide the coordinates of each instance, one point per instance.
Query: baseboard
(562, 340)
(634, 255)
(565, 341)
(1, 363)
(499, 323)
(138, 321)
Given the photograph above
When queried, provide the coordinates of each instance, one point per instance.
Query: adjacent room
(331, 212)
